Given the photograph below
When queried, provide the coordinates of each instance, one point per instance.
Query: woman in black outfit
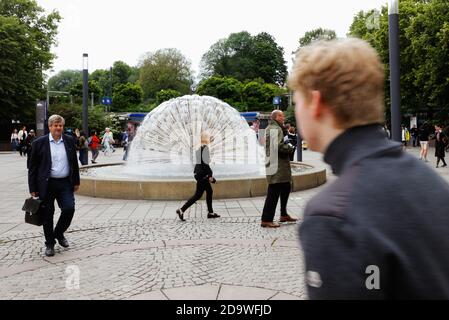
(439, 145)
(204, 177)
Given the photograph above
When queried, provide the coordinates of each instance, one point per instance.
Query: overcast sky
(124, 30)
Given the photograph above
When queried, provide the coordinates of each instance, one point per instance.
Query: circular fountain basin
(304, 177)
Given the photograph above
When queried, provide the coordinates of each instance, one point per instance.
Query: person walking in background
(108, 140)
(14, 141)
(28, 143)
(367, 235)
(293, 140)
(440, 145)
(204, 177)
(54, 175)
(125, 144)
(405, 136)
(22, 136)
(83, 148)
(387, 131)
(423, 134)
(278, 171)
(93, 143)
(414, 135)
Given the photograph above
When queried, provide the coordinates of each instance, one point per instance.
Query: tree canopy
(245, 57)
(165, 69)
(424, 48)
(315, 35)
(26, 38)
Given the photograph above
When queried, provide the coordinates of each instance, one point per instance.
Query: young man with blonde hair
(367, 235)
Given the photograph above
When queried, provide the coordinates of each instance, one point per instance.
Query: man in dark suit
(54, 175)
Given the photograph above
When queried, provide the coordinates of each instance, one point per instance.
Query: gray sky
(124, 30)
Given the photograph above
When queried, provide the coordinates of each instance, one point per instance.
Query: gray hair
(275, 114)
(55, 118)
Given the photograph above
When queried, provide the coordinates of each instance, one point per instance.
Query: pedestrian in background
(204, 176)
(22, 136)
(28, 144)
(423, 134)
(93, 144)
(278, 171)
(440, 145)
(14, 141)
(83, 149)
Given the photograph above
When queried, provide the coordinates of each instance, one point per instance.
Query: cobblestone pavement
(140, 250)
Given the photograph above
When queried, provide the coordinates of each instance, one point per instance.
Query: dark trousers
(28, 158)
(201, 186)
(83, 156)
(442, 159)
(292, 156)
(60, 190)
(95, 153)
(275, 191)
(21, 148)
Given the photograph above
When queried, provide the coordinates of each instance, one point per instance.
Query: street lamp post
(395, 89)
(85, 92)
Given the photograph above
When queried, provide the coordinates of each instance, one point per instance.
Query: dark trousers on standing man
(201, 186)
(275, 191)
(60, 190)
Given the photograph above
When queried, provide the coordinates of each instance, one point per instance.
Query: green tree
(165, 69)
(135, 74)
(315, 35)
(120, 73)
(77, 89)
(103, 78)
(126, 96)
(98, 119)
(226, 89)
(64, 80)
(244, 57)
(424, 51)
(26, 38)
(258, 96)
(165, 95)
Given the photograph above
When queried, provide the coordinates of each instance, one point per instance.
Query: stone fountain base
(183, 189)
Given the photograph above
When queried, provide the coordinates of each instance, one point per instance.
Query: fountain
(162, 156)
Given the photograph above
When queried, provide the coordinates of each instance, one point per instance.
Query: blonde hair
(349, 75)
(205, 138)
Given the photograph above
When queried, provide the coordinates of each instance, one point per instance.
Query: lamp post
(395, 89)
(85, 92)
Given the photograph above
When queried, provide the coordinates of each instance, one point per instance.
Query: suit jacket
(40, 164)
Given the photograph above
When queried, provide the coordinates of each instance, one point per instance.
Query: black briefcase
(33, 212)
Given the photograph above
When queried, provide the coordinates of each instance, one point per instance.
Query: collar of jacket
(276, 123)
(357, 143)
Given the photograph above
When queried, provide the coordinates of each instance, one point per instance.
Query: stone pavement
(138, 249)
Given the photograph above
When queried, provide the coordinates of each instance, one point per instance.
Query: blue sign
(106, 100)
(277, 100)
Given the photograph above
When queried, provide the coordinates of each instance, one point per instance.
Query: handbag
(33, 212)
